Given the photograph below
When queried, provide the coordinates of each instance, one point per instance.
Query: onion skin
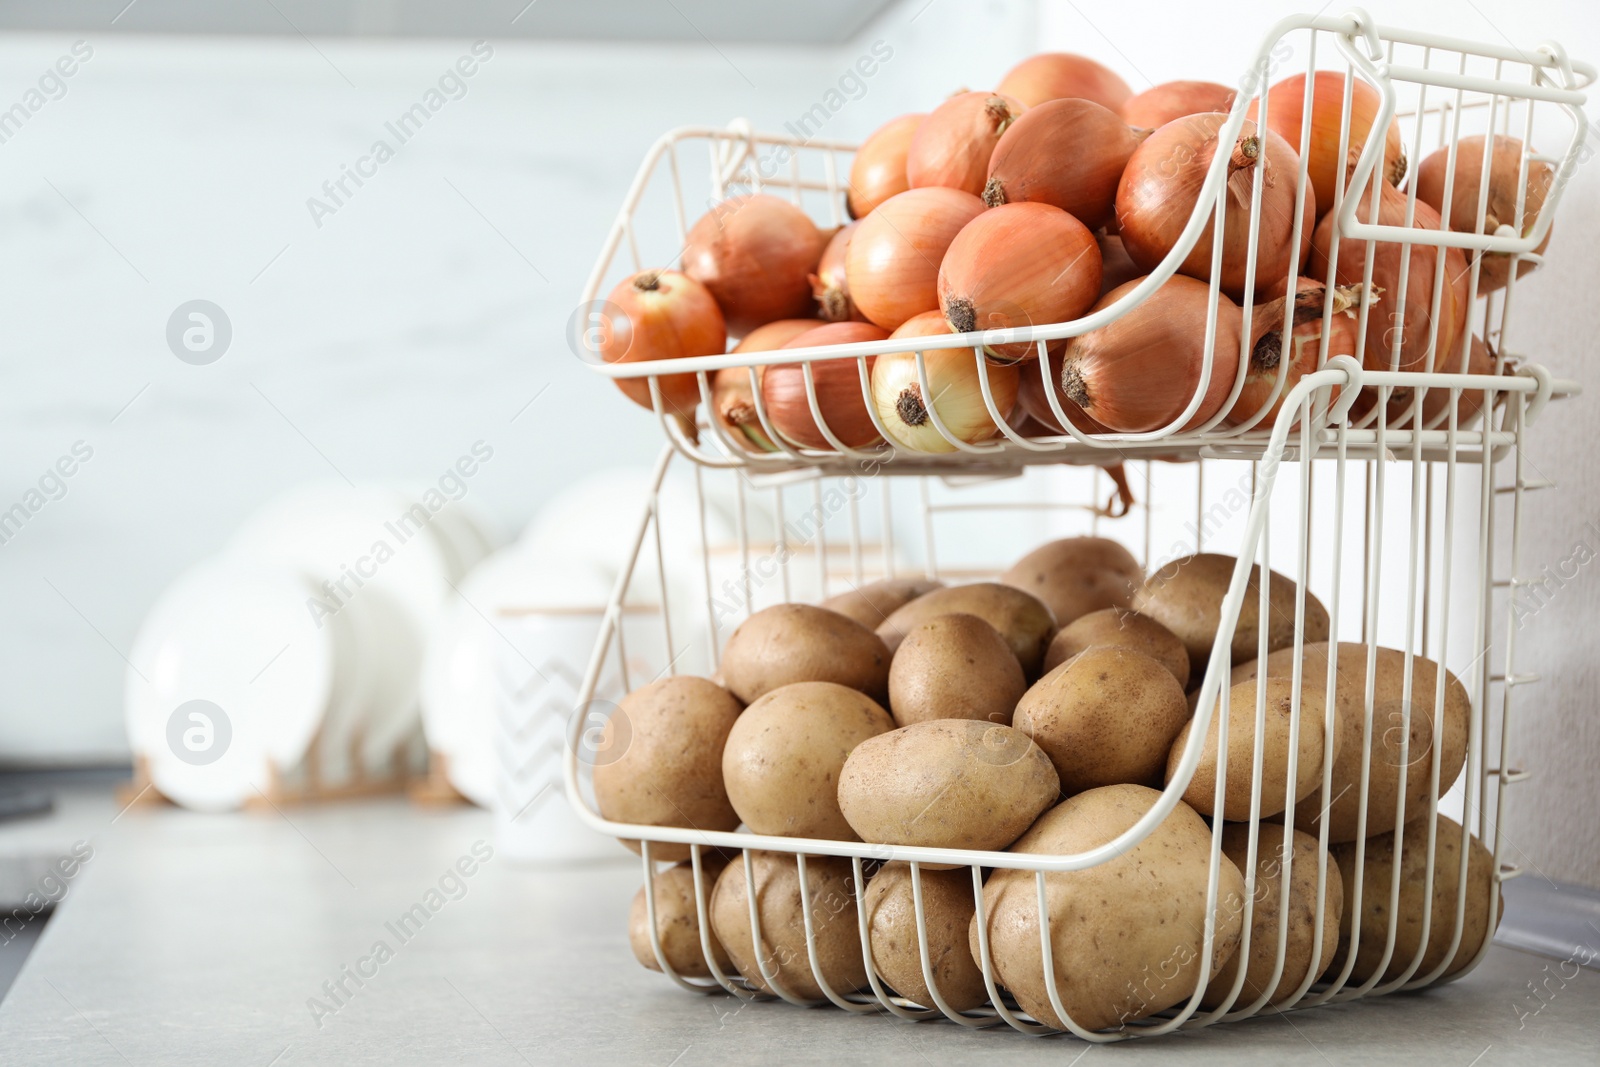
(953, 145)
(733, 401)
(954, 382)
(664, 315)
(838, 385)
(892, 264)
(1267, 350)
(1480, 360)
(1161, 186)
(1018, 265)
(1116, 266)
(1324, 167)
(1501, 205)
(1066, 153)
(1032, 399)
(1138, 373)
(755, 253)
(879, 168)
(1060, 75)
(829, 286)
(1161, 104)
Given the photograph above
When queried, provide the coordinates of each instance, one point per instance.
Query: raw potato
(1379, 863)
(1387, 734)
(1186, 597)
(947, 783)
(783, 758)
(954, 667)
(1202, 792)
(659, 761)
(830, 889)
(947, 908)
(874, 602)
(1126, 934)
(789, 643)
(1077, 575)
(678, 920)
(1105, 717)
(1266, 916)
(1021, 618)
(1120, 626)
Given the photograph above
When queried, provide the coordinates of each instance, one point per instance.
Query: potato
(678, 920)
(946, 783)
(1186, 597)
(1022, 620)
(1077, 575)
(1275, 785)
(1119, 626)
(1105, 717)
(789, 643)
(1387, 734)
(659, 761)
(947, 908)
(874, 602)
(1414, 895)
(830, 889)
(1301, 949)
(954, 667)
(782, 760)
(1126, 934)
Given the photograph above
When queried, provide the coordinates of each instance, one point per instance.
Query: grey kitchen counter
(203, 939)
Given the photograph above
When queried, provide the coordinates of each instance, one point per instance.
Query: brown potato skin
(873, 603)
(1266, 916)
(789, 643)
(1201, 794)
(1119, 626)
(830, 887)
(1374, 918)
(948, 907)
(1077, 575)
(1125, 935)
(783, 757)
(670, 771)
(1108, 716)
(954, 667)
(1022, 619)
(678, 920)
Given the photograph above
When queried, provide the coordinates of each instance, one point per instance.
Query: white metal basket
(1327, 500)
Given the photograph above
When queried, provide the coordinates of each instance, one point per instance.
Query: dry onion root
(1500, 206)
(954, 385)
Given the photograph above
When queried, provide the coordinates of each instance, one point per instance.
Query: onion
(1139, 372)
(1324, 167)
(1018, 265)
(828, 284)
(664, 315)
(892, 264)
(954, 384)
(1480, 360)
(952, 146)
(1059, 75)
(838, 385)
(1116, 266)
(1160, 104)
(1161, 187)
(1500, 208)
(1068, 153)
(1305, 346)
(1031, 398)
(879, 169)
(755, 254)
(732, 399)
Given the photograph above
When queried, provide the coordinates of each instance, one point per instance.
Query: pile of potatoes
(1042, 714)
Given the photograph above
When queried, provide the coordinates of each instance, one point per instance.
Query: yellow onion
(1061, 75)
(829, 284)
(953, 145)
(892, 263)
(755, 253)
(1160, 104)
(838, 386)
(1480, 360)
(1067, 153)
(1500, 208)
(733, 401)
(1268, 351)
(1324, 166)
(1116, 266)
(953, 383)
(664, 315)
(1031, 398)
(879, 168)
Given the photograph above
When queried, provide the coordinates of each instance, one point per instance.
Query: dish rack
(1409, 534)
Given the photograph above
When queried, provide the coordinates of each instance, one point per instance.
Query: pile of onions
(1032, 399)
(1018, 265)
(892, 263)
(1139, 373)
(755, 253)
(1116, 266)
(1159, 105)
(1161, 186)
(1500, 206)
(1267, 349)
(663, 315)
(1325, 167)
(829, 286)
(953, 383)
(840, 396)
(733, 400)
(953, 145)
(879, 169)
(1060, 75)
(1067, 153)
